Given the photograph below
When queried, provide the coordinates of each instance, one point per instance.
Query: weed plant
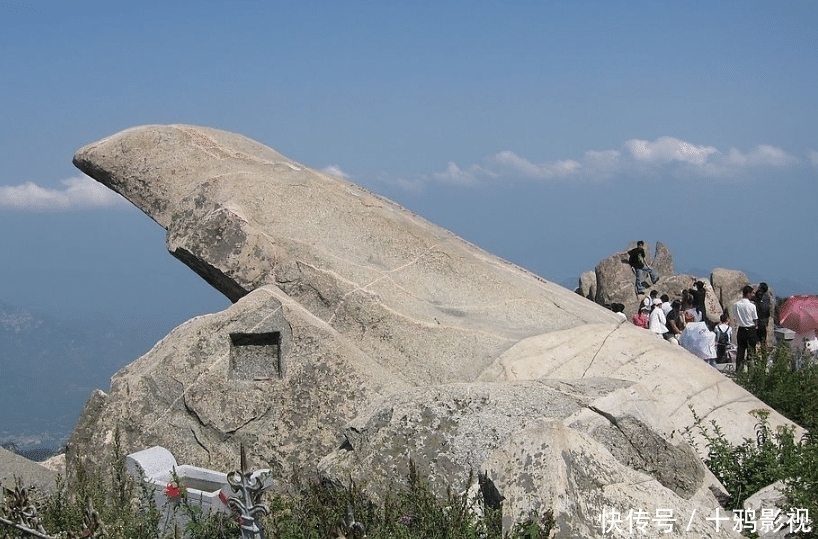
(789, 386)
(317, 511)
(786, 382)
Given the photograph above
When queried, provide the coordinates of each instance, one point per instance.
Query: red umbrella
(800, 314)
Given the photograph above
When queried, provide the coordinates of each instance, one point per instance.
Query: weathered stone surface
(356, 300)
(727, 285)
(181, 394)
(431, 306)
(31, 473)
(770, 497)
(615, 281)
(587, 285)
(621, 351)
(577, 447)
(663, 260)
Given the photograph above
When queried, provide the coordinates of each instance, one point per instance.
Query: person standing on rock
(746, 318)
(763, 301)
(724, 335)
(637, 261)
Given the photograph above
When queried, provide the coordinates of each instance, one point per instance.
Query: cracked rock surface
(354, 318)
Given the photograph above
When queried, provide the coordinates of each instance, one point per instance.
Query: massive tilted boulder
(344, 300)
(427, 304)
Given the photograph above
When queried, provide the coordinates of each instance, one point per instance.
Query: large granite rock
(416, 297)
(578, 447)
(344, 299)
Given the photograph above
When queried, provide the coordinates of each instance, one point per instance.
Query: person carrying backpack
(724, 335)
(636, 260)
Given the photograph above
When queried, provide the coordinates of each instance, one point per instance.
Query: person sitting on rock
(648, 300)
(675, 321)
(639, 265)
(640, 319)
(689, 306)
(699, 341)
(699, 294)
(619, 310)
(666, 307)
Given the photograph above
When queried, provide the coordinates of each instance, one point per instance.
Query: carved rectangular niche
(255, 356)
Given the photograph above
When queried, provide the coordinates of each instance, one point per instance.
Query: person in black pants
(746, 318)
(764, 303)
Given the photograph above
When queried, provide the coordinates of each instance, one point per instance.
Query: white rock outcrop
(345, 301)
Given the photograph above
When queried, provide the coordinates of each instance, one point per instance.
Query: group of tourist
(684, 321)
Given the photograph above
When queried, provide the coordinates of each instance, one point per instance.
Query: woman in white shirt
(657, 320)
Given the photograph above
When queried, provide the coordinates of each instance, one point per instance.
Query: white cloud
(761, 155)
(79, 192)
(335, 170)
(665, 156)
(668, 149)
(557, 169)
(602, 164)
(455, 175)
(813, 158)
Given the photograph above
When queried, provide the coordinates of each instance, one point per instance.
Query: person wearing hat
(640, 319)
(657, 320)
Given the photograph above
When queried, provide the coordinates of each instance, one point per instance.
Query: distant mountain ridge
(49, 367)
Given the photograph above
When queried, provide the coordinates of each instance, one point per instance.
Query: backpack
(634, 259)
(722, 337)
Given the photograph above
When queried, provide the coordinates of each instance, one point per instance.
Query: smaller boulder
(587, 285)
(727, 285)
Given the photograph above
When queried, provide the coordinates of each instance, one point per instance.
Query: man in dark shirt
(764, 306)
(636, 259)
(674, 318)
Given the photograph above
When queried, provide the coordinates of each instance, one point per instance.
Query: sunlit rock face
(343, 300)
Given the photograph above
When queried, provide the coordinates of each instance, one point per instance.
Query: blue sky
(549, 133)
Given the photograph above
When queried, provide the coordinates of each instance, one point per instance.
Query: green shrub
(775, 379)
(316, 511)
(792, 390)
(408, 511)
